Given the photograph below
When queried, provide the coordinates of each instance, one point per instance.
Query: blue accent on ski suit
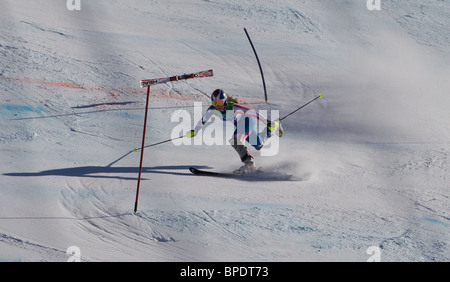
(244, 120)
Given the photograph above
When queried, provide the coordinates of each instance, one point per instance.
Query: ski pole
(163, 142)
(318, 97)
(138, 149)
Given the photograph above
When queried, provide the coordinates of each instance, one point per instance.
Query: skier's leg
(240, 148)
(244, 154)
(241, 134)
(253, 137)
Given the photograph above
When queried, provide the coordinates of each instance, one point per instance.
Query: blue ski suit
(245, 124)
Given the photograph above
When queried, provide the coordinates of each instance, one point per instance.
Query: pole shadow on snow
(103, 171)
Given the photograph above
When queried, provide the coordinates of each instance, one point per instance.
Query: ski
(150, 82)
(255, 176)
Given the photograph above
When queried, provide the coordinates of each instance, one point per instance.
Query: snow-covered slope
(370, 159)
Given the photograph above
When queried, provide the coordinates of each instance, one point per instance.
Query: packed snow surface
(370, 159)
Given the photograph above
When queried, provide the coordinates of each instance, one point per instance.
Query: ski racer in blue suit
(245, 124)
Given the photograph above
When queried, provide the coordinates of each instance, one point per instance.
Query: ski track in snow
(370, 167)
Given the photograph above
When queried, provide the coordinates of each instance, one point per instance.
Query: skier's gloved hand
(272, 126)
(190, 134)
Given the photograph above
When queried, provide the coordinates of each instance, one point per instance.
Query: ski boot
(248, 167)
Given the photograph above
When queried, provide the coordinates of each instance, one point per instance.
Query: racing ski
(256, 176)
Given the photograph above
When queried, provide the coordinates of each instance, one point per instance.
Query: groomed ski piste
(370, 161)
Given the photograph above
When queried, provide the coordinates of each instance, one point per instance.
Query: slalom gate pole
(318, 97)
(142, 151)
(147, 83)
(259, 64)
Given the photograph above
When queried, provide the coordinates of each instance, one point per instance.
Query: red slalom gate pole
(147, 83)
(142, 151)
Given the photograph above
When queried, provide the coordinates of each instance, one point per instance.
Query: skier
(245, 124)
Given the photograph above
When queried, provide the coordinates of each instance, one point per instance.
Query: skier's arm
(200, 123)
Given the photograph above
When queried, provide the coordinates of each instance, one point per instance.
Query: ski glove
(272, 126)
(190, 134)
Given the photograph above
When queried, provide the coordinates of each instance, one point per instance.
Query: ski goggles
(219, 102)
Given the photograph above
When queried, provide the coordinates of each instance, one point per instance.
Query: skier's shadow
(106, 172)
